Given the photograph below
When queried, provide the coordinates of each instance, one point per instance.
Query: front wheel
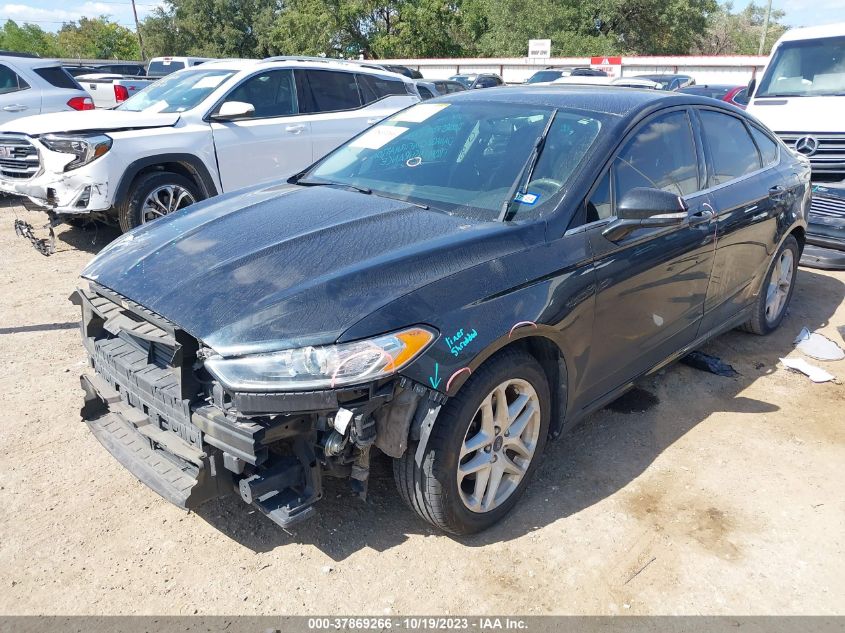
(774, 297)
(483, 447)
(155, 195)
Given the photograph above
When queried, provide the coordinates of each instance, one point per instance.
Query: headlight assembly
(323, 367)
(86, 148)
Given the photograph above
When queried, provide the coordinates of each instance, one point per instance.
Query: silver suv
(31, 85)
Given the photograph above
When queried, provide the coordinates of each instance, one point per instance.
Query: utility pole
(141, 41)
(762, 37)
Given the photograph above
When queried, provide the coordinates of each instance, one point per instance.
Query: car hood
(86, 120)
(283, 266)
(799, 114)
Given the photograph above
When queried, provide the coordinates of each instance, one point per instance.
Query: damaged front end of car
(159, 401)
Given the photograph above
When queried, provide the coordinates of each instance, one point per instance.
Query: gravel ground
(697, 494)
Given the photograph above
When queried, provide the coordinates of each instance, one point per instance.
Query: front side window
(732, 151)
(661, 155)
(463, 158)
(177, 92)
(327, 91)
(806, 69)
(271, 93)
(10, 81)
(600, 204)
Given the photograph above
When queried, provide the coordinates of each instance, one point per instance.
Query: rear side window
(731, 149)
(661, 155)
(10, 81)
(768, 148)
(373, 87)
(327, 91)
(741, 97)
(425, 93)
(58, 77)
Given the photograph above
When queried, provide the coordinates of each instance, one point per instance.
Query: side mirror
(234, 110)
(644, 207)
(752, 85)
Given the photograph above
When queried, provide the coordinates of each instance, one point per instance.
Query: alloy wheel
(780, 282)
(165, 200)
(499, 445)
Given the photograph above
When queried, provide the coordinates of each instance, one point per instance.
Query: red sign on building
(611, 65)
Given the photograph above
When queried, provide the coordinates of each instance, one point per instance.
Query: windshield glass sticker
(527, 198)
(377, 137)
(419, 113)
(460, 340)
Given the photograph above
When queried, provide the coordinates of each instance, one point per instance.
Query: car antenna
(527, 168)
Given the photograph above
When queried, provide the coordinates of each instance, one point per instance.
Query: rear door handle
(15, 107)
(294, 129)
(777, 193)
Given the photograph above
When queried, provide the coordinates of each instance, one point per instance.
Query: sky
(49, 14)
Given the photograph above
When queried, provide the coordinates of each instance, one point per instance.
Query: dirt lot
(723, 496)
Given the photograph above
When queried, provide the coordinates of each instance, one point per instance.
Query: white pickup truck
(801, 98)
(108, 89)
(197, 133)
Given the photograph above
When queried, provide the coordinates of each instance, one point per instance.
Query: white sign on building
(539, 49)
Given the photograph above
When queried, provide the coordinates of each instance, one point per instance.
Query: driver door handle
(15, 107)
(295, 128)
(705, 214)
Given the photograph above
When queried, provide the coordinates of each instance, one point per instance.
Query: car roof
(30, 62)
(597, 98)
(813, 32)
(239, 65)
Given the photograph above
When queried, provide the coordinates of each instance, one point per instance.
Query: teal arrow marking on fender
(435, 380)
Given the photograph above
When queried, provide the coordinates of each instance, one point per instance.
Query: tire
(433, 491)
(764, 318)
(131, 212)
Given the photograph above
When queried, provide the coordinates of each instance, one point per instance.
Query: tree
(739, 33)
(97, 38)
(28, 38)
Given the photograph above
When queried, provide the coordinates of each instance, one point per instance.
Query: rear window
(374, 87)
(58, 77)
(160, 68)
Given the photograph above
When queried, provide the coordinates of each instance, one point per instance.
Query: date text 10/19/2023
(416, 624)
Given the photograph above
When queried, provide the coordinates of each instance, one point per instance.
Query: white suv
(196, 133)
(31, 85)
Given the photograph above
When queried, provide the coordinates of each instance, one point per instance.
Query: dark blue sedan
(454, 286)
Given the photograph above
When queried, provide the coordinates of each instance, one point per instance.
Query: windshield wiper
(297, 180)
(527, 170)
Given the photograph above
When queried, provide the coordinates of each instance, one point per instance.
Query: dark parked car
(549, 74)
(473, 81)
(453, 286)
(737, 95)
(429, 89)
(670, 82)
(129, 70)
(77, 71)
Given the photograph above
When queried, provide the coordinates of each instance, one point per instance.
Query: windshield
(463, 158)
(177, 92)
(547, 75)
(806, 69)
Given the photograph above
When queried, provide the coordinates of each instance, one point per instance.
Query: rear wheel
(155, 195)
(774, 297)
(483, 448)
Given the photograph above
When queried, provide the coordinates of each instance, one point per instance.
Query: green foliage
(411, 28)
(739, 33)
(28, 38)
(97, 38)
